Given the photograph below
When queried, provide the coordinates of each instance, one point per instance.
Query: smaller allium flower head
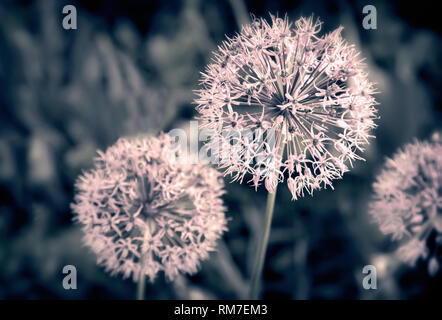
(282, 99)
(407, 202)
(144, 208)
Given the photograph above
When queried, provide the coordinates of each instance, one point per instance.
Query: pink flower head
(407, 198)
(280, 98)
(144, 212)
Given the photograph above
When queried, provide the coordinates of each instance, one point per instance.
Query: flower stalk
(141, 285)
(262, 249)
(142, 281)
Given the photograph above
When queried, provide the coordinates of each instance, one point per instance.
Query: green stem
(262, 249)
(141, 286)
(142, 281)
(257, 273)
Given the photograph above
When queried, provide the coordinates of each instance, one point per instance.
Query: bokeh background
(129, 69)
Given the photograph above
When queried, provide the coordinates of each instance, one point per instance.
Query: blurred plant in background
(144, 211)
(130, 68)
(407, 202)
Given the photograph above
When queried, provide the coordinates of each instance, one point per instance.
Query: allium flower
(407, 201)
(143, 210)
(307, 92)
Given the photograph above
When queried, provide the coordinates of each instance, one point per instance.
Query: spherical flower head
(407, 201)
(278, 98)
(145, 209)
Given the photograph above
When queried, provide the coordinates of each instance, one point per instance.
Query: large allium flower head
(143, 208)
(407, 202)
(278, 98)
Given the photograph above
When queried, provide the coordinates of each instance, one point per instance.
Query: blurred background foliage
(130, 69)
